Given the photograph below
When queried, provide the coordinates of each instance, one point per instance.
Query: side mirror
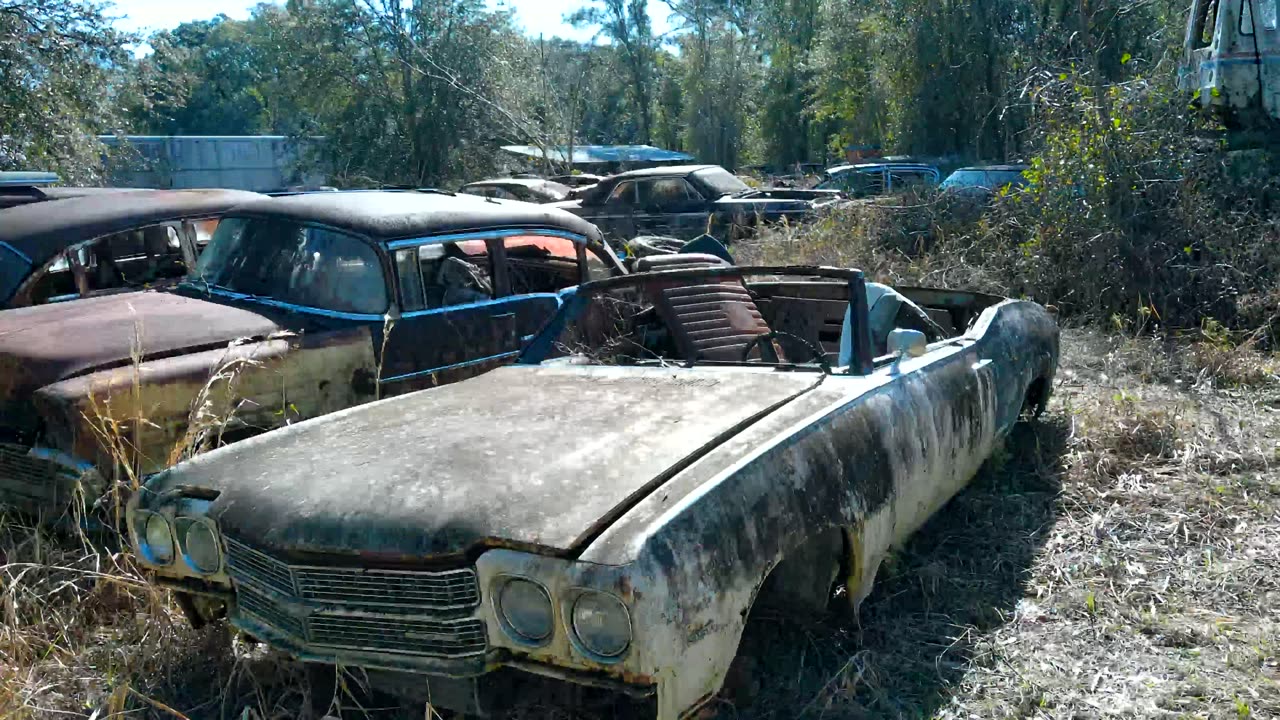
(907, 343)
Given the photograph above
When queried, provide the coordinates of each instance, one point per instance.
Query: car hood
(540, 458)
(47, 343)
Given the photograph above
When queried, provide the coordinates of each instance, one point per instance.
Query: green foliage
(60, 85)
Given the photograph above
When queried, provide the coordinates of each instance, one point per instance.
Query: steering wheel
(818, 354)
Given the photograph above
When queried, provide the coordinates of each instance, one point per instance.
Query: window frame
(183, 228)
(386, 265)
(496, 251)
(635, 195)
(692, 195)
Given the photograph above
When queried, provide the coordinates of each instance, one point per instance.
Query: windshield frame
(196, 280)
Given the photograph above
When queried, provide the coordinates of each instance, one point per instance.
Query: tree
(627, 24)
(60, 81)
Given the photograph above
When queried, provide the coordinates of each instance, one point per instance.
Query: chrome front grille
(417, 590)
(414, 636)
(381, 610)
(268, 612)
(448, 590)
(25, 479)
(252, 567)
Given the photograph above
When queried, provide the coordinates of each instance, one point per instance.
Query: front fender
(151, 413)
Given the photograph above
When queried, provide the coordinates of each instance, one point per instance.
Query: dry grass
(1118, 559)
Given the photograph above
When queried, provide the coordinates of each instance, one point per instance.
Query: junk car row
(356, 418)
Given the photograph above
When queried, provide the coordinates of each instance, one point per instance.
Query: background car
(872, 179)
(685, 201)
(316, 302)
(532, 190)
(985, 181)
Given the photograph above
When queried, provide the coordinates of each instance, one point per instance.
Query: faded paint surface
(773, 459)
(371, 482)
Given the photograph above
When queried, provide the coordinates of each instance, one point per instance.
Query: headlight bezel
(180, 536)
(570, 605)
(500, 585)
(142, 539)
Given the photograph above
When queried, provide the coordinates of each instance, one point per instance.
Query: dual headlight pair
(194, 538)
(599, 623)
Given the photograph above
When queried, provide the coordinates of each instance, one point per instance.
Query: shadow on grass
(958, 578)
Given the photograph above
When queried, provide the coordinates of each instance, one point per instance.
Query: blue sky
(545, 17)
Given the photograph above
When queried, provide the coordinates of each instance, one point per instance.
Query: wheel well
(806, 577)
(1037, 397)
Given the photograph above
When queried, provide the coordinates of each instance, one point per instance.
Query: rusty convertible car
(84, 242)
(299, 306)
(676, 446)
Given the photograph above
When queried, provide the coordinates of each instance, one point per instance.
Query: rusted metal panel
(48, 343)
(1232, 61)
(250, 387)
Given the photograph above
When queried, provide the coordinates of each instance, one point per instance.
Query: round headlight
(157, 540)
(199, 545)
(526, 610)
(602, 624)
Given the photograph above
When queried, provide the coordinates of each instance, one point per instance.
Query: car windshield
(721, 181)
(295, 264)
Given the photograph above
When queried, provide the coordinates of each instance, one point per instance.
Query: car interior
(779, 320)
(121, 261)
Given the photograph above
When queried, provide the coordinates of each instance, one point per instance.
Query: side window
(443, 274)
(666, 193)
(542, 264)
(412, 297)
(623, 194)
(1206, 22)
(1267, 19)
(907, 179)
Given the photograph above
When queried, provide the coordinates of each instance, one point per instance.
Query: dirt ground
(1120, 558)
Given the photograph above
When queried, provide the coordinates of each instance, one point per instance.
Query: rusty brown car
(299, 306)
(674, 448)
(85, 242)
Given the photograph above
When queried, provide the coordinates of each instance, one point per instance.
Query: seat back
(882, 309)
(710, 321)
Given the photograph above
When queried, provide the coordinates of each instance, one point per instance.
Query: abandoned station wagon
(96, 241)
(673, 445)
(299, 306)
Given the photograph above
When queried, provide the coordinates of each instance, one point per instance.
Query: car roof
(382, 216)
(995, 168)
(879, 165)
(41, 230)
(525, 182)
(665, 170)
(13, 195)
